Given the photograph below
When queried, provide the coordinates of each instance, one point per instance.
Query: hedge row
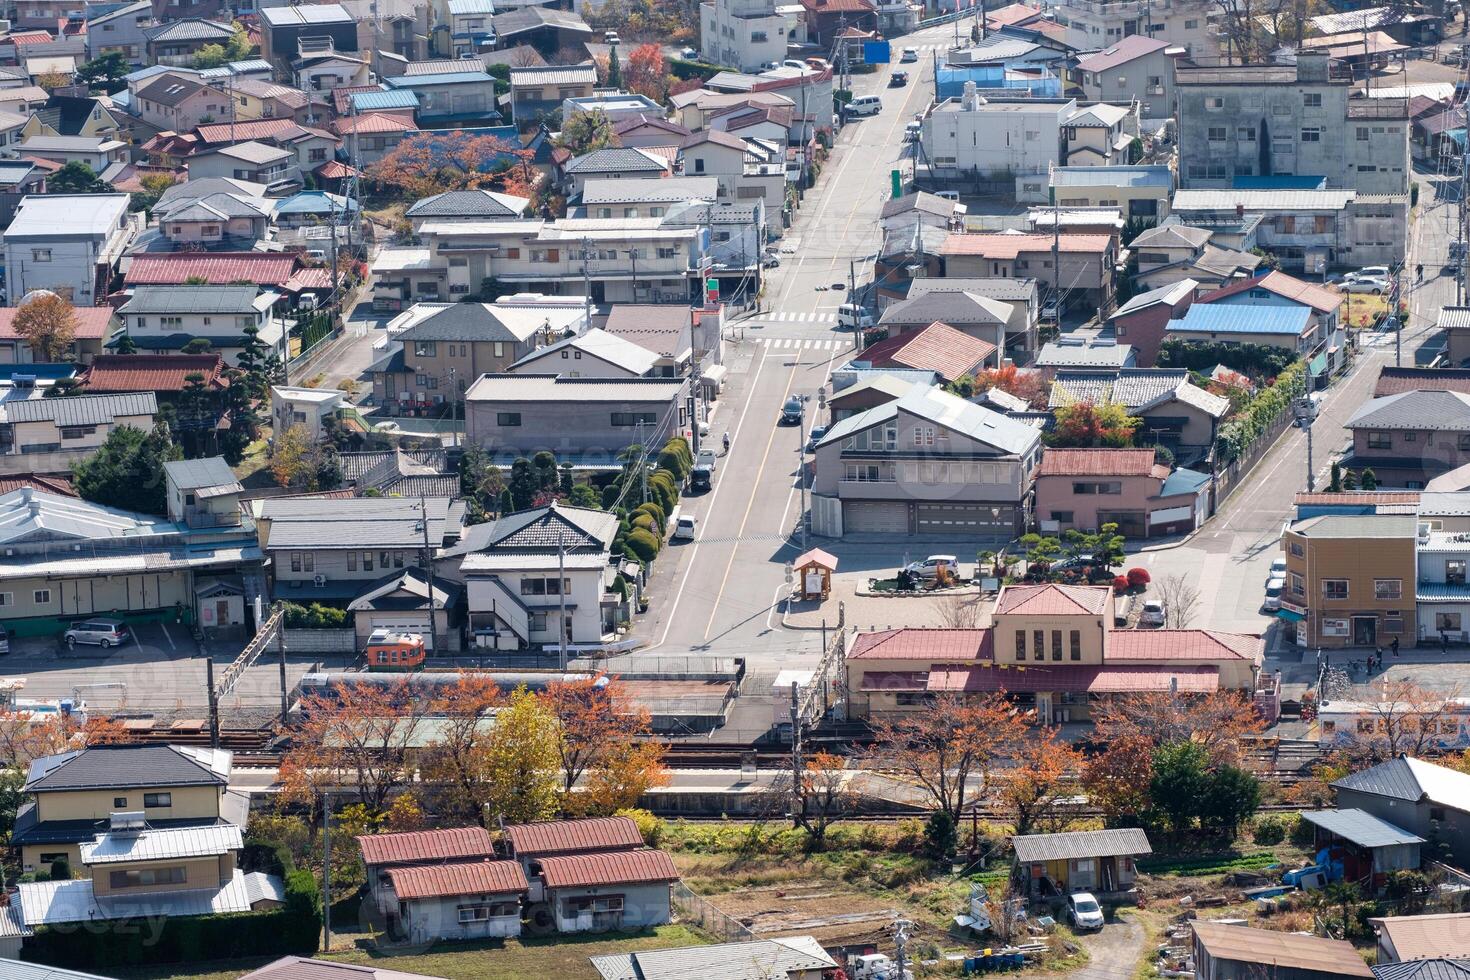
(1237, 435)
(105, 945)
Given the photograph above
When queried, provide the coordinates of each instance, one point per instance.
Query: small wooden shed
(814, 574)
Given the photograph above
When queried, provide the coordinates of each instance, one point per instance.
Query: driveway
(1114, 951)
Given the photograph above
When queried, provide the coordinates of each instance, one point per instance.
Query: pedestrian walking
(1394, 646)
(1444, 641)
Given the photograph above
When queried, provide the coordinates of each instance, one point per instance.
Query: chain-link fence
(697, 912)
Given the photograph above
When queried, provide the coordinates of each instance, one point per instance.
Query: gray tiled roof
(1081, 844)
(1439, 411)
(667, 191)
(464, 204)
(1171, 236)
(461, 322)
(615, 159)
(192, 29)
(1354, 526)
(1076, 355)
(388, 522)
(1435, 969)
(355, 465)
(758, 959)
(949, 307)
(191, 299)
(170, 90)
(121, 767)
(554, 75)
(545, 527)
(1010, 290)
(82, 409)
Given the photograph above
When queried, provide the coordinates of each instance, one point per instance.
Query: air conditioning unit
(320, 581)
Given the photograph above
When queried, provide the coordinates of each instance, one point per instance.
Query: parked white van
(865, 105)
(854, 316)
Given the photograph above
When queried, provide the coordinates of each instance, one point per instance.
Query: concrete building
(964, 471)
(1140, 191)
(1084, 489)
(309, 408)
(537, 93)
(1350, 580)
(747, 35)
(1194, 25)
(121, 30)
(69, 244)
(1274, 120)
(1138, 69)
(971, 137)
(580, 419)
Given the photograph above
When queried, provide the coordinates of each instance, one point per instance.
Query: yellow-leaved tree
(521, 764)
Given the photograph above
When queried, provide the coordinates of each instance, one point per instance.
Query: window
(1454, 571)
(1380, 440)
(1217, 134)
(1446, 621)
(1062, 516)
(158, 799)
(317, 154)
(1191, 25)
(40, 255)
(1334, 588)
(1312, 100)
(352, 561)
(1038, 644)
(1020, 644)
(425, 348)
(41, 597)
(1362, 134)
(77, 431)
(1311, 134)
(367, 561)
(120, 802)
(507, 418)
(538, 622)
(1298, 587)
(1437, 812)
(626, 419)
(1246, 134)
(1388, 588)
(295, 561)
(924, 435)
(1411, 437)
(1056, 644)
(145, 877)
(1214, 102)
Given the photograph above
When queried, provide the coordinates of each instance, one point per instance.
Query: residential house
(1174, 412)
(980, 317)
(179, 103)
(827, 19)
(168, 376)
(326, 71)
(1142, 321)
(1231, 952)
(1312, 126)
(323, 548)
(400, 603)
(400, 27)
(368, 138)
(1100, 135)
(446, 346)
(472, 205)
(450, 847)
(1455, 322)
(1099, 862)
(1135, 69)
(1170, 245)
(1277, 289)
(1191, 24)
(92, 328)
(617, 890)
(97, 152)
(1101, 354)
(1443, 601)
(1350, 580)
(458, 902)
(605, 198)
(788, 958)
(1083, 489)
(1291, 328)
(1084, 267)
(645, 127)
(1018, 296)
(666, 330)
(217, 220)
(519, 570)
(1142, 191)
(613, 163)
(470, 29)
(537, 92)
(740, 179)
(67, 243)
(1068, 628)
(18, 179)
(178, 42)
(594, 354)
(924, 209)
(69, 797)
(960, 470)
(940, 348)
(579, 419)
(261, 98)
(289, 32)
(544, 28)
(257, 163)
(203, 493)
(166, 318)
(451, 99)
(39, 434)
(1022, 138)
(1407, 938)
(746, 35)
(1421, 797)
(1409, 438)
(310, 408)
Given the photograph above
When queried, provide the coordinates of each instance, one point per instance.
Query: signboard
(877, 52)
(712, 290)
(1293, 607)
(1334, 627)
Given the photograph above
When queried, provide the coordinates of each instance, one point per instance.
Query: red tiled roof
(151, 372)
(1358, 497)
(308, 279)
(923, 643)
(1182, 645)
(50, 483)
(217, 268)
(1003, 246)
(374, 122)
(21, 38)
(335, 170)
(92, 323)
(1092, 679)
(838, 6)
(1013, 13)
(572, 836)
(469, 878)
(240, 132)
(1099, 462)
(1395, 380)
(50, 166)
(1320, 298)
(938, 347)
(426, 845)
(1131, 47)
(816, 556)
(1053, 600)
(643, 866)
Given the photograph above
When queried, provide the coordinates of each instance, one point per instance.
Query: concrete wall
(321, 641)
(1149, 79)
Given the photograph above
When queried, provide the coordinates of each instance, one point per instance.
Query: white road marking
(168, 636)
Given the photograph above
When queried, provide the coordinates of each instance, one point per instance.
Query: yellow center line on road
(740, 532)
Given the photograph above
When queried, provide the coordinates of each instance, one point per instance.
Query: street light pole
(801, 466)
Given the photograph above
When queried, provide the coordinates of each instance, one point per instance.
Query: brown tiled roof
(374, 122)
(92, 322)
(151, 372)
(1183, 645)
(1396, 380)
(573, 836)
(1053, 600)
(644, 866)
(50, 483)
(940, 348)
(241, 132)
(1099, 462)
(1320, 298)
(216, 268)
(1280, 951)
(466, 878)
(1358, 497)
(426, 845)
(923, 643)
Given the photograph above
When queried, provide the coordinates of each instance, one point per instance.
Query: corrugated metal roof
(1412, 780)
(1350, 526)
(1421, 969)
(1132, 176)
(201, 474)
(302, 968)
(320, 13)
(219, 268)
(1416, 937)
(155, 845)
(388, 522)
(464, 878)
(1360, 827)
(426, 845)
(404, 98)
(760, 959)
(82, 409)
(51, 902)
(1054, 354)
(448, 78)
(1283, 950)
(1454, 318)
(550, 388)
(1125, 841)
(573, 836)
(554, 75)
(1243, 318)
(643, 866)
(1264, 200)
(1097, 462)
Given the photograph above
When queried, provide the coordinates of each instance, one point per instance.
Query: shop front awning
(1289, 616)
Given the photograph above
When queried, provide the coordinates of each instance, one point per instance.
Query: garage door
(875, 517)
(406, 623)
(969, 519)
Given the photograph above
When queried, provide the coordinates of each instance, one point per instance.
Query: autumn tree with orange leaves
(423, 165)
(951, 743)
(456, 760)
(646, 72)
(1399, 718)
(604, 744)
(1038, 779)
(25, 738)
(1027, 385)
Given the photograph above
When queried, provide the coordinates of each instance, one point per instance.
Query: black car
(898, 79)
(791, 412)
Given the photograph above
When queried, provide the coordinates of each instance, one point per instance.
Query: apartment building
(971, 136)
(1273, 120)
(1091, 24)
(747, 35)
(1350, 580)
(67, 243)
(1136, 69)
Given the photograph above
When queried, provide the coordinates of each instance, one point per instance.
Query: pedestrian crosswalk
(793, 343)
(788, 317)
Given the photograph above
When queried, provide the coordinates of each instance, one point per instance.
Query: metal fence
(697, 912)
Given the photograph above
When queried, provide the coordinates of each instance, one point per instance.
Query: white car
(908, 56)
(1153, 613)
(1278, 569)
(1367, 284)
(1371, 272)
(928, 569)
(1274, 587)
(685, 527)
(1083, 911)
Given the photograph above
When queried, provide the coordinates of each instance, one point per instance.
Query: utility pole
(587, 283)
(798, 797)
(857, 327)
(1306, 413)
(213, 702)
(429, 570)
(561, 588)
(327, 869)
(453, 409)
(1056, 261)
(801, 468)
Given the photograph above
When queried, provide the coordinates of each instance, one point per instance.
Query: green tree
(587, 131)
(1180, 778)
(614, 69)
(523, 484)
(1231, 796)
(584, 496)
(76, 178)
(643, 545)
(522, 763)
(127, 470)
(11, 797)
(1349, 480)
(1369, 480)
(125, 344)
(1334, 484)
(1040, 551)
(543, 466)
(105, 72)
(507, 501)
(211, 56)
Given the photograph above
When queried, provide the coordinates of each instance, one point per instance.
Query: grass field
(558, 957)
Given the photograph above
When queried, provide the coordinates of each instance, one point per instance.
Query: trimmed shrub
(646, 522)
(654, 511)
(61, 870)
(315, 617)
(1120, 584)
(1138, 577)
(1267, 831)
(642, 545)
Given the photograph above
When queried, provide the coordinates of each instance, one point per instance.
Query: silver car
(98, 632)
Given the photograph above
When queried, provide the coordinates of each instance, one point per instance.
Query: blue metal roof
(449, 78)
(314, 202)
(1183, 480)
(1243, 318)
(472, 6)
(1361, 827)
(399, 99)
